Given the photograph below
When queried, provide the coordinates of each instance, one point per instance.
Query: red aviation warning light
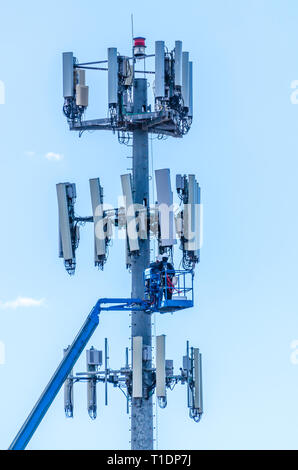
(139, 47)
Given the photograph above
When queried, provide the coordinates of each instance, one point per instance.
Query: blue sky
(242, 147)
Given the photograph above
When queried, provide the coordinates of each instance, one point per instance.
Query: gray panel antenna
(161, 366)
(185, 78)
(190, 110)
(68, 74)
(159, 69)
(178, 63)
(112, 76)
(198, 398)
(64, 223)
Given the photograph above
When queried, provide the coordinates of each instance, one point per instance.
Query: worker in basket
(153, 284)
(162, 278)
(168, 278)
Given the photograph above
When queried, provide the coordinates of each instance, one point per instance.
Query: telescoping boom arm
(46, 399)
(66, 365)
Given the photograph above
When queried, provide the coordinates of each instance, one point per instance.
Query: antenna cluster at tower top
(173, 95)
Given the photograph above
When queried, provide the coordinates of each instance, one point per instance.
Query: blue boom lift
(166, 291)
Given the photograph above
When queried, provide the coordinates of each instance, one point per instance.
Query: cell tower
(156, 286)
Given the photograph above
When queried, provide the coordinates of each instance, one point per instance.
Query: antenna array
(156, 285)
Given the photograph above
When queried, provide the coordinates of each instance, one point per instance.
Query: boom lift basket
(168, 290)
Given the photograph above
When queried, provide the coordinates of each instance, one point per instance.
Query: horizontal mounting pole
(92, 63)
(86, 67)
(83, 219)
(105, 61)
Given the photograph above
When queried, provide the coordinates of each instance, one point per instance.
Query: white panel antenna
(161, 366)
(137, 365)
(68, 393)
(192, 216)
(198, 219)
(165, 207)
(82, 91)
(131, 223)
(159, 69)
(96, 192)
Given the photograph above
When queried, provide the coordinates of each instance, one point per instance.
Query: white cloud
(21, 302)
(54, 156)
(51, 156)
